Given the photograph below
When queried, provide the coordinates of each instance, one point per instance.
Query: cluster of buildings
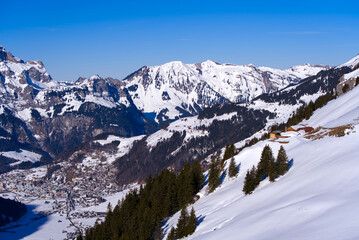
(68, 188)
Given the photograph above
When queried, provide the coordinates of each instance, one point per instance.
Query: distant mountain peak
(353, 62)
(7, 56)
(95, 76)
(208, 61)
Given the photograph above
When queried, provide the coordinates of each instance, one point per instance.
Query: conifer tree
(247, 181)
(251, 181)
(214, 174)
(232, 169)
(272, 172)
(158, 235)
(197, 177)
(282, 161)
(309, 110)
(172, 234)
(229, 152)
(264, 163)
(109, 207)
(181, 229)
(184, 182)
(192, 222)
(254, 176)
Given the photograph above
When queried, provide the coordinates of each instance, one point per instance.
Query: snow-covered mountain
(175, 88)
(40, 118)
(20, 80)
(316, 199)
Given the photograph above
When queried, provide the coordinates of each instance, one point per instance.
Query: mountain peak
(95, 76)
(351, 63)
(7, 56)
(211, 62)
(173, 64)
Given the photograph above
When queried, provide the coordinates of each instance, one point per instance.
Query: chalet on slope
(275, 135)
(290, 129)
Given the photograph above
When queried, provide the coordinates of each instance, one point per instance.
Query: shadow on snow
(27, 225)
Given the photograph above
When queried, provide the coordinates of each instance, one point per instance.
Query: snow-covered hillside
(316, 199)
(353, 62)
(173, 88)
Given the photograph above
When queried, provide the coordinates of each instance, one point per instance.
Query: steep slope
(316, 199)
(176, 89)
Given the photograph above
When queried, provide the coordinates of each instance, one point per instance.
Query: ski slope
(317, 198)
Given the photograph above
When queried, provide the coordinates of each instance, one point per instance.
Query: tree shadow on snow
(27, 225)
(238, 167)
(165, 226)
(205, 181)
(223, 176)
(200, 220)
(290, 164)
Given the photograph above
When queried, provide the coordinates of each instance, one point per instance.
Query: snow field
(316, 199)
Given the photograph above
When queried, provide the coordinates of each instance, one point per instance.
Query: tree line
(217, 167)
(305, 112)
(142, 212)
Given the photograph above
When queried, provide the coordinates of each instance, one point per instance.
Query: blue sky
(115, 38)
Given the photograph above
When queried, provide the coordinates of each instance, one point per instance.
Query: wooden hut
(274, 134)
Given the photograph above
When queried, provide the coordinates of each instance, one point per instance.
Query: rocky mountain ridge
(175, 88)
(40, 115)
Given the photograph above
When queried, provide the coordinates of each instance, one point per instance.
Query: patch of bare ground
(321, 132)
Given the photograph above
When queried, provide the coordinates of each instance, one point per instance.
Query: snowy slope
(21, 156)
(353, 74)
(351, 63)
(316, 199)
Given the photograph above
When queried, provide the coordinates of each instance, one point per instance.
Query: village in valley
(72, 194)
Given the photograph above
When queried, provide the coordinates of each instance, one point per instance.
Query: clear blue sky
(115, 38)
